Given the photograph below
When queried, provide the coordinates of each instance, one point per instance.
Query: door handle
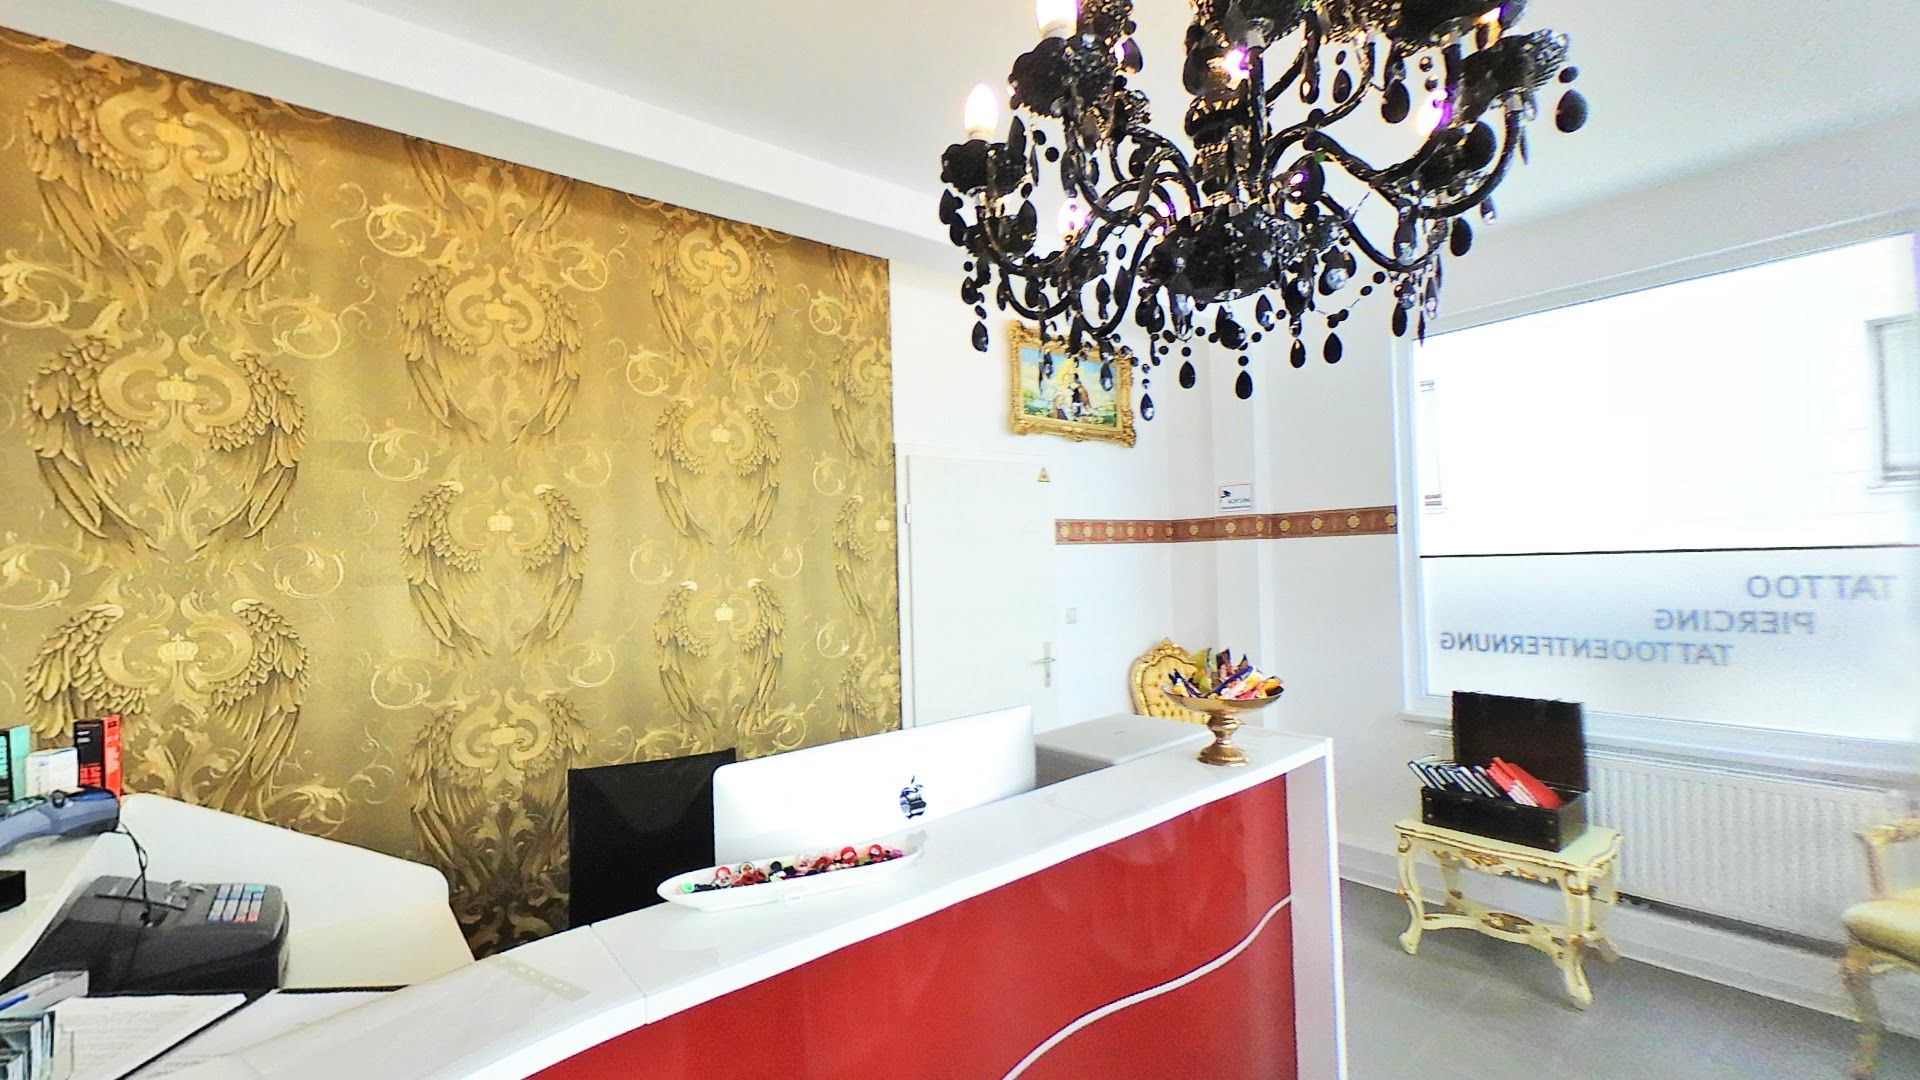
(1046, 663)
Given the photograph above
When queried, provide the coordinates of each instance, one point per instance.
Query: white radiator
(1768, 849)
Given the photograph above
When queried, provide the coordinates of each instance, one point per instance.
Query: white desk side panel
(356, 917)
(1319, 983)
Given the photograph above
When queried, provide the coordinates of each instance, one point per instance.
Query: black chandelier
(1262, 226)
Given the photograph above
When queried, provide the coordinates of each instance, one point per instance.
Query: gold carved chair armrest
(1877, 840)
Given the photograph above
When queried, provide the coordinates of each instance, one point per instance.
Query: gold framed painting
(1075, 396)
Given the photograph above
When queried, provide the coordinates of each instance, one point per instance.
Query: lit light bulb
(1057, 18)
(983, 112)
(1235, 65)
(1434, 112)
(1074, 217)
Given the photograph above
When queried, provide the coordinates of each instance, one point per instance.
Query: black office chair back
(633, 826)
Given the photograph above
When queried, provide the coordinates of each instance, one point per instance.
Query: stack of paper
(113, 1036)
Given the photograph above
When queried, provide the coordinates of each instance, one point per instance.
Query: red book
(1542, 795)
(98, 744)
(1501, 774)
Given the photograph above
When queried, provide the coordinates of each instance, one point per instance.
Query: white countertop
(531, 1007)
(358, 918)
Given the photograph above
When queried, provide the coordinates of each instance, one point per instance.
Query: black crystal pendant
(1460, 241)
(1571, 115)
(980, 336)
(1332, 351)
(1188, 376)
(1296, 293)
(1399, 322)
(1478, 150)
(1342, 87)
(1227, 332)
(1396, 103)
(1333, 278)
(1106, 376)
(1263, 312)
(1046, 365)
(1243, 386)
(1146, 406)
(1298, 356)
(1307, 180)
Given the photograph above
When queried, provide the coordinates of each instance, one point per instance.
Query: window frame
(1836, 757)
(1887, 475)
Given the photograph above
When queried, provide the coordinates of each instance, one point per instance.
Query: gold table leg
(1607, 893)
(1410, 892)
(1570, 951)
(1857, 972)
(1450, 878)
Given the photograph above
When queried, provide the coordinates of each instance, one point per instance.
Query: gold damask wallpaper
(377, 483)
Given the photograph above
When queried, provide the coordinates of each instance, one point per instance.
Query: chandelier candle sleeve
(1270, 224)
(982, 113)
(1057, 18)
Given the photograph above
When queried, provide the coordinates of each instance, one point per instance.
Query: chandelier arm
(1045, 268)
(1352, 163)
(1374, 254)
(1011, 262)
(1258, 133)
(1297, 133)
(1020, 265)
(1339, 112)
(1287, 77)
(1102, 203)
(1144, 189)
(1165, 150)
(1043, 312)
(1493, 177)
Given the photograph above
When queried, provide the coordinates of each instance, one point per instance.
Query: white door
(979, 551)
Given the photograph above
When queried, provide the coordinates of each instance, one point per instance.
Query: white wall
(949, 397)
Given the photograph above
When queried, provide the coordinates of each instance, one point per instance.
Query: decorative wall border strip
(1358, 521)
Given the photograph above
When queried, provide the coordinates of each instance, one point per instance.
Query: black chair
(634, 826)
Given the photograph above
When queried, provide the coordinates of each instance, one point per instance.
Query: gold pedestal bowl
(1222, 719)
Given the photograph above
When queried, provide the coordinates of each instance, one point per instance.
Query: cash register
(135, 936)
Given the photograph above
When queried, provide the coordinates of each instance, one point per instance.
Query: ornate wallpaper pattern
(377, 483)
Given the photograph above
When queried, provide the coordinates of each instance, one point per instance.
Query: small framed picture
(1077, 397)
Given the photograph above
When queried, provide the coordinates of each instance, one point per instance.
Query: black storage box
(1546, 738)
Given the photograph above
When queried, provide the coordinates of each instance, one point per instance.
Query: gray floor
(1470, 1006)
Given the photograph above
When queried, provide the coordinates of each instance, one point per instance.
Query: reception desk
(1157, 917)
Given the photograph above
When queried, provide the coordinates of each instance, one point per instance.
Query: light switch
(1073, 615)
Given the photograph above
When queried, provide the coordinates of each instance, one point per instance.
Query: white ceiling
(876, 86)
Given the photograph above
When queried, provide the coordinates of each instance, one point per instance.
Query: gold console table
(1585, 873)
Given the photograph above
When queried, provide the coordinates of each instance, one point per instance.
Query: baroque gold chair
(1883, 934)
(1149, 675)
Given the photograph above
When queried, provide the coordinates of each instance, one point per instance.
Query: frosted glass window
(1675, 502)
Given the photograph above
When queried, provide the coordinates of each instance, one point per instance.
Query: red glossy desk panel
(971, 990)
